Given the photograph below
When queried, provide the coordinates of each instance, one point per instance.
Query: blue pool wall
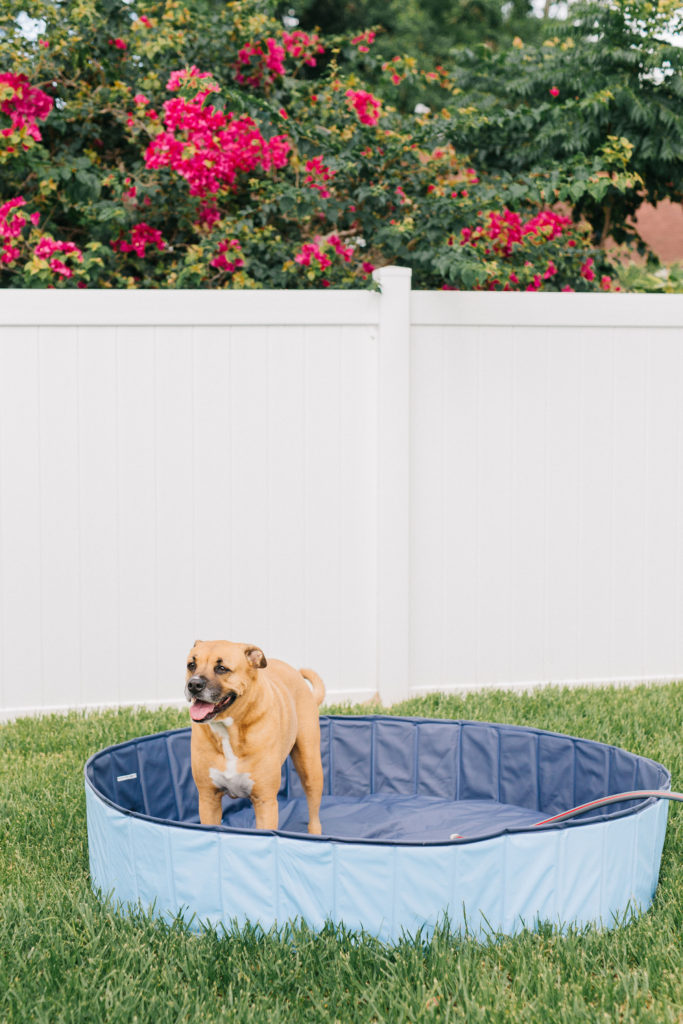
(147, 850)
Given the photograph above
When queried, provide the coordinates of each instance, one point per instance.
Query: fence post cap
(385, 273)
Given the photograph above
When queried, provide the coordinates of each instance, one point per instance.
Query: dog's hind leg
(306, 759)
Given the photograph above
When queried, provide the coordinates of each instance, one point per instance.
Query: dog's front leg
(266, 813)
(210, 808)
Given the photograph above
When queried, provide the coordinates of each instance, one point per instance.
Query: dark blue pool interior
(390, 779)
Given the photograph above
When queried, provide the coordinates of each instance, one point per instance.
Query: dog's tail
(317, 685)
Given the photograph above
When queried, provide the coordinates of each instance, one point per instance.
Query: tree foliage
(162, 143)
(425, 29)
(615, 74)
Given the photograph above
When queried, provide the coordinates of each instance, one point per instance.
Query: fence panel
(547, 501)
(168, 482)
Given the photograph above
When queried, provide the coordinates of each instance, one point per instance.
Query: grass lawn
(65, 958)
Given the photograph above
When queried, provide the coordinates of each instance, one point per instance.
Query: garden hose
(636, 794)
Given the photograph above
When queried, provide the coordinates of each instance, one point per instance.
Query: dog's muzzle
(195, 685)
(204, 711)
(211, 703)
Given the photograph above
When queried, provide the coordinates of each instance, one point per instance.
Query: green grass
(66, 958)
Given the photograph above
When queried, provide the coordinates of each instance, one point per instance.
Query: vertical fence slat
(177, 492)
(20, 516)
(248, 574)
(393, 475)
(210, 486)
(97, 630)
(59, 639)
(136, 471)
(284, 392)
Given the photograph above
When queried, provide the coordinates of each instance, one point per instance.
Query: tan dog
(247, 716)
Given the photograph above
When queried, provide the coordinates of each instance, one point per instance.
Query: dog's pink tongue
(199, 710)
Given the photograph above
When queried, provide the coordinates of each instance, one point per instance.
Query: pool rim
(640, 805)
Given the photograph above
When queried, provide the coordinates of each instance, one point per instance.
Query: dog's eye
(222, 669)
(192, 665)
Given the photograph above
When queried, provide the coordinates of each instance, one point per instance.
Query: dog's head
(218, 674)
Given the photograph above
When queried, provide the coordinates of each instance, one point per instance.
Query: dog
(247, 715)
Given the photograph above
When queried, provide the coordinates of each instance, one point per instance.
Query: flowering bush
(209, 148)
(24, 105)
(23, 245)
(178, 148)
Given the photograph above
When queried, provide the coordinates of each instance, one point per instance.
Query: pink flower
(208, 216)
(24, 104)
(587, 271)
(257, 66)
(119, 44)
(210, 148)
(318, 175)
(300, 45)
(367, 106)
(6, 209)
(60, 268)
(47, 248)
(221, 261)
(195, 79)
(141, 236)
(275, 57)
(311, 251)
(345, 251)
(314, 251)
(365, 37)
(9, 254)
(554, 91)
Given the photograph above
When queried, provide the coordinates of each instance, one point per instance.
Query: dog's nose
(196, 684)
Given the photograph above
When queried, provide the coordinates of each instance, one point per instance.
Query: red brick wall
(661, 226)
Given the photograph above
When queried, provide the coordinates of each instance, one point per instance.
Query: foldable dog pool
(396, 791)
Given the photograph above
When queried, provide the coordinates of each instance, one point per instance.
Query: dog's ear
(255, 657)
(197, 642)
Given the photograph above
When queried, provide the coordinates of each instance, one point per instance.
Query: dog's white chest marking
(236, 784)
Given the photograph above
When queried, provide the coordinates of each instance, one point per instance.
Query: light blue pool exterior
(599, 871)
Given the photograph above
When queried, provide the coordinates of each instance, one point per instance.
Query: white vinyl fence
(408, 491)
